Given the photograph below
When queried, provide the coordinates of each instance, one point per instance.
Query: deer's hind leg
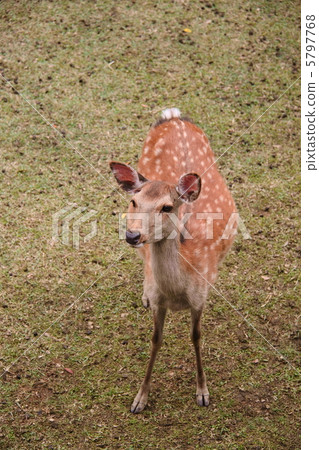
(202, 394)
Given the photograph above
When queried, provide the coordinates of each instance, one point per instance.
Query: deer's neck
(166, 266)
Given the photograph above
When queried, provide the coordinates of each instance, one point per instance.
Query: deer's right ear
(129, 179)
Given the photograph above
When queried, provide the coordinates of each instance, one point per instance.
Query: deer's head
(152, 203)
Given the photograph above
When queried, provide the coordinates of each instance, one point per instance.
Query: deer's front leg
(140, 400)
(150, 290)
(202, 394)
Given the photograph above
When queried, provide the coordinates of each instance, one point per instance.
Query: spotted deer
(187, 233)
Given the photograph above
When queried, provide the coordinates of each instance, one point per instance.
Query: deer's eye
(133, 203)
(167, 208)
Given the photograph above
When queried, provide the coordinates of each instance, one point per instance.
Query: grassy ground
(100, 73)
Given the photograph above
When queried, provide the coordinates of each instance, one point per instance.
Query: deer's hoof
(202, 399)
(139, 403)
(137, 408)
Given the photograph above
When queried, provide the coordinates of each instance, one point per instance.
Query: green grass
(100, 73)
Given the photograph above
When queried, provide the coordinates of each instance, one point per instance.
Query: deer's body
(180, 264)
(173, 148)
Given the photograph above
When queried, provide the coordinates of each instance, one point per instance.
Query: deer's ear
(189, 187)
(129, 179)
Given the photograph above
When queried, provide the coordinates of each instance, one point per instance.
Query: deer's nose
(132, 237)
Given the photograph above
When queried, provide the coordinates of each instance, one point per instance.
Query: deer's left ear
(189, 187)
(129, 179)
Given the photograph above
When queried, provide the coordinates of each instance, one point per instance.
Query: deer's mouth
(139, 245)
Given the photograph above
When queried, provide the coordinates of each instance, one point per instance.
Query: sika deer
(181, 256)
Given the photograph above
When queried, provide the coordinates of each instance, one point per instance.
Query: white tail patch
(171, 113)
